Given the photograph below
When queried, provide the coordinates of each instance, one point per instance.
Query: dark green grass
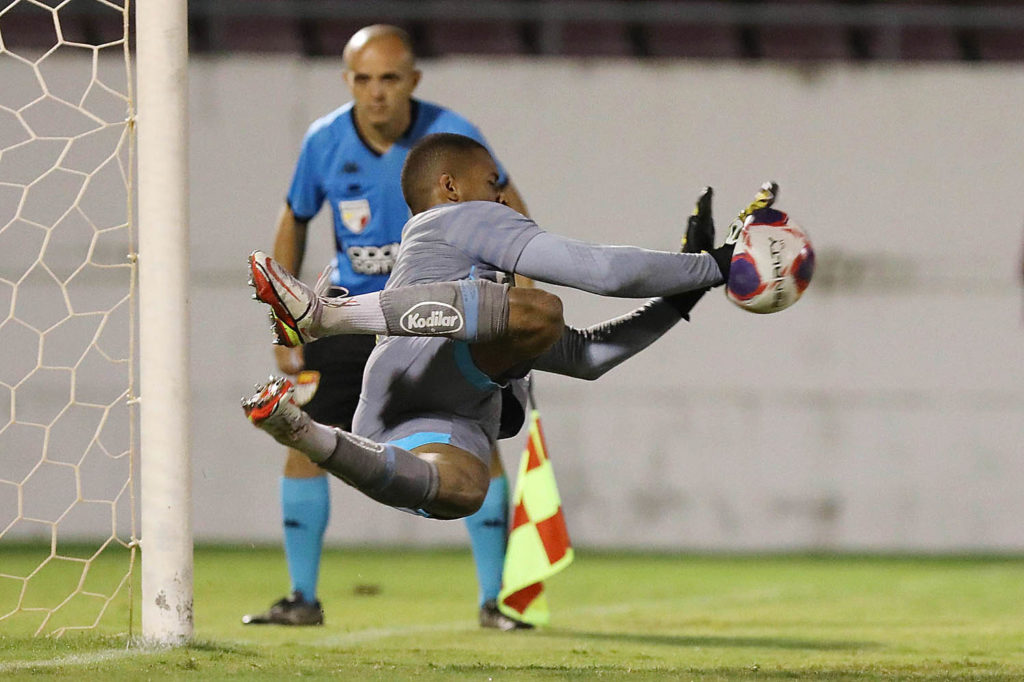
(614, 616)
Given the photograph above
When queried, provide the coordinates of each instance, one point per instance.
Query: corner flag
(538, 543)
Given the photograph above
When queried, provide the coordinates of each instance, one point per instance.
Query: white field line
(90, 658)
(565, 615)
(377, 634)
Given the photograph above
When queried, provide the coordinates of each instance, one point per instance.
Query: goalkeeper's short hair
(427, 159)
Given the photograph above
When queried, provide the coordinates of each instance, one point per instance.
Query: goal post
(165, 457)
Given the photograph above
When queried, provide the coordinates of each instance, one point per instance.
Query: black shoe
(292, 610)
(491, 617)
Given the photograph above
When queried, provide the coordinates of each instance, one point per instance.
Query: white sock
(352, 315)
(317, 441)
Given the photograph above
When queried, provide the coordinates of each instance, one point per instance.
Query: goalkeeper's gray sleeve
(589, 353)
(622, 271)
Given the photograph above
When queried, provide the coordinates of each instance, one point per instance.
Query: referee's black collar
(414, 112)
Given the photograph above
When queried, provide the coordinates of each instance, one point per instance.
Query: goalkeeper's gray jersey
(471, 240)
(427, 390)
(480, 239)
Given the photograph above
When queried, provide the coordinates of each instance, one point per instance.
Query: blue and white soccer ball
(772, 264)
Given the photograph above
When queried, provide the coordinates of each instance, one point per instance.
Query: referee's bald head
(375, 32)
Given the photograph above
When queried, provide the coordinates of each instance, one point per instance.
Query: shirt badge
(355, 214)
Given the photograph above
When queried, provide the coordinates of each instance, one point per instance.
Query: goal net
(67, 323)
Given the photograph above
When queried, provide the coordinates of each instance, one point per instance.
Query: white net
(67, 273)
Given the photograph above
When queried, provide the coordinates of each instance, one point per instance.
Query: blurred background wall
(885, 411)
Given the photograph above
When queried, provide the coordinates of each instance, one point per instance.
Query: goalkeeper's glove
(699, 236)
(700, 226)
(723, 254)
(765, 198)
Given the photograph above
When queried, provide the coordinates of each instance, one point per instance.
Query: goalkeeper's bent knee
(383, 472)
(467, 310)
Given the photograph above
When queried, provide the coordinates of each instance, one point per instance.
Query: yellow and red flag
(538, 542)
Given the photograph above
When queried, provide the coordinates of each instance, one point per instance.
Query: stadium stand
(596, 39)
(31, 27)
(96, 28)
(694, 40)
(472, 37)
(327, 37)
(797, 41)
(270, 34)
(790, 30)
(1000, 44)
(930, 43)
(28, 27)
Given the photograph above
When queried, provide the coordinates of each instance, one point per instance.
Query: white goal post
(165, 457)
(76, 281)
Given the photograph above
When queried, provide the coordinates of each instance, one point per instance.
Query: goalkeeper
(351, 159)
(430, 409)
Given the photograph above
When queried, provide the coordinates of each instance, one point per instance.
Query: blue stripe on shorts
(421, 438)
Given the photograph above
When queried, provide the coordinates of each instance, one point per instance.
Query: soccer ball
(772, 264)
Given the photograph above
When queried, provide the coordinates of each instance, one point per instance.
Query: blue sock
(305, 504)
(488, 533)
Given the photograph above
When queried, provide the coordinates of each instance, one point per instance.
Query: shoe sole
(260, 411)
(285, 327)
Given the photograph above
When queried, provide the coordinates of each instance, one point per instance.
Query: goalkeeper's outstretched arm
(633, 272)
(621, 271)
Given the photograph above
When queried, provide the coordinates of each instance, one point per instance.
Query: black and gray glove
(699, 236)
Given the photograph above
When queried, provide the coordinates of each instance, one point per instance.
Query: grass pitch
(614, 616)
